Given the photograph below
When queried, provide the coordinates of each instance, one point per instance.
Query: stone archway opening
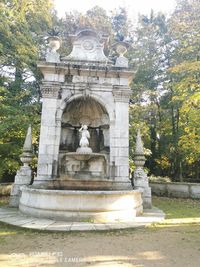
(85, 111)
(73, 166)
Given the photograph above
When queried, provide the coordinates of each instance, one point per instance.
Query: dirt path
(164, 247)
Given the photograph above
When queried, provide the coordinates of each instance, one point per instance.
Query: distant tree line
(164, 54)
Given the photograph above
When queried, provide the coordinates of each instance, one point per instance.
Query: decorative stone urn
(54, 44)
(121, 49)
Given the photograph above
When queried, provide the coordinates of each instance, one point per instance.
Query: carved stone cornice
(121, 95)
(50, 89)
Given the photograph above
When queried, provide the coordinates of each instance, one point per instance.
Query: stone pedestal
(24, 175)
(140, 177)
(121, 62)
(141, 182)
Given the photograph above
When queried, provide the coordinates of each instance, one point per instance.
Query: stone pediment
(87, 46)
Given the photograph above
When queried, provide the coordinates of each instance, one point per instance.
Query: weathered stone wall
(182, 190)
(5, 189)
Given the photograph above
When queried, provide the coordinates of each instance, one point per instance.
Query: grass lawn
(179, 210)
(175, 242)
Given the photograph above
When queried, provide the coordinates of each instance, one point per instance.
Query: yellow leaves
(186, 91)
(186, 67)
(21, 95)
(191, 107)
(163, 162)
(3, 93)
(189, 144)
(187, 97)
(195, 99)
(177, 98)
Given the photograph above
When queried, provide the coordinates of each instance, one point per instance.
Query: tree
(166, 89)
(121, 25)
(148, 58)
(184, 27)
(165, 100)
(22, 27)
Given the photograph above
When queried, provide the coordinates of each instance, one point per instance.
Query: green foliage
(121, 25)
(185, 29)
(164, 54)
(22, 27)
(166, 89)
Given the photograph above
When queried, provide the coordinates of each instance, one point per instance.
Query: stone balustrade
(182, 190)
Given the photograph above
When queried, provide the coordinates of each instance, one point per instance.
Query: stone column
(49, 133)
(120, 138)
(24, 174)
(140, 177)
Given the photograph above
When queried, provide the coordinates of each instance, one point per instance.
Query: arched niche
(88, 111)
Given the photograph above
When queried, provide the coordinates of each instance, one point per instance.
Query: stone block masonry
(182, 190)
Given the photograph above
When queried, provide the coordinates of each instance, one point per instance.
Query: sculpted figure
(85, 135)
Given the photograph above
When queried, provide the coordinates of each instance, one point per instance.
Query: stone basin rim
(79, 192)
(85, 155)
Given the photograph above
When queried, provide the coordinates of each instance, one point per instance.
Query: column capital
(50, 89)
(121, 94)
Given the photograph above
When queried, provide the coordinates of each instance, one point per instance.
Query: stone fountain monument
(83, 160)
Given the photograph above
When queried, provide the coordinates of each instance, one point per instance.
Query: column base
(23, 177)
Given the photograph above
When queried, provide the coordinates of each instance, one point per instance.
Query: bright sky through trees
(133, 6)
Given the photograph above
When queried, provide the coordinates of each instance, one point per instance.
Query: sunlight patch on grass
(4, 233)
(178, 211)
(178, 208)
(169, 223)
(183, 221)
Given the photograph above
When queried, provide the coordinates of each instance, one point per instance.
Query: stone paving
(12, 216)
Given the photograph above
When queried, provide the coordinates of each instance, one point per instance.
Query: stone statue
(85, 135)
(84, 142)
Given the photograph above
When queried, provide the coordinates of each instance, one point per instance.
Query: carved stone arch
(102, 101)
(91, 111)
